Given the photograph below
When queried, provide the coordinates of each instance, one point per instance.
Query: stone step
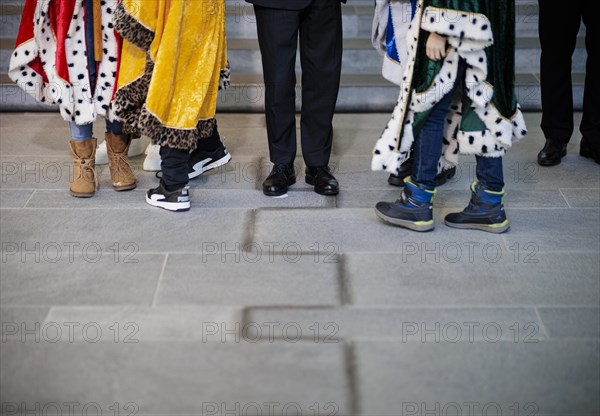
(358, 93)
(359, 55)
(362, 87)
(241, 21)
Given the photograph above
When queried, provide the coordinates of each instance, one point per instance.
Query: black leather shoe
(552, 153)
(445, 175)
(322, 179)
(440, 179)
(588, 151)
(405, 170)
(281, 177)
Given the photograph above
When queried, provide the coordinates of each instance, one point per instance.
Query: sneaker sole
(414, 226)
(499, 229)
(199, 171)
(169, 206)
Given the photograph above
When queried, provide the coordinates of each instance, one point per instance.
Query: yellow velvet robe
(173, 63)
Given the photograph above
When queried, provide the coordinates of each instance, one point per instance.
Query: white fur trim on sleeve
(458, 24)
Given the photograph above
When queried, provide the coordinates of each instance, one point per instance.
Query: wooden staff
(97, 10)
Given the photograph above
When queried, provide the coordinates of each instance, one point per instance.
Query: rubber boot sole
(494, 229)
(422, 226)
(81, 195)
(125, 187)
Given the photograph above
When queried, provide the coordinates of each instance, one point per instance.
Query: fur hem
(75, 98)
(388, 153)
(392, 70)
(174, 138)
(132, 29)
(130, 107)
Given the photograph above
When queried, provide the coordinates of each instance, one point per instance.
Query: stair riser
(251, 98)
(357, 61)
(242, 24)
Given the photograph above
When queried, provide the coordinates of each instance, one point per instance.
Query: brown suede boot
(121, 174)
(84, 181)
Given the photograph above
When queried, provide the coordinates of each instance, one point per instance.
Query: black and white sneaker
(202, 161)
(178, 200)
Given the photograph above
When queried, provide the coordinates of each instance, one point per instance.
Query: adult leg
(590, 124)
(321, 58)
(558, 27)
(278, 40)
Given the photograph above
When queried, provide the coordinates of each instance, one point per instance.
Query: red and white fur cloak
(50, 60)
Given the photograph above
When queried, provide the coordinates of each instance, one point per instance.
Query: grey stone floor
(303, 305)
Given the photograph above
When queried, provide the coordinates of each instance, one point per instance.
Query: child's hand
(436, 47)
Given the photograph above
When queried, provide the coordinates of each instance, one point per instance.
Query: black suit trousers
(559, 25)
(318, 26)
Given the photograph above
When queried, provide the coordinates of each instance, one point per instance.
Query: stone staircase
(363, 89)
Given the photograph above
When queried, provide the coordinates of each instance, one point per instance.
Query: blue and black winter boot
(414, 209)
(485, 212)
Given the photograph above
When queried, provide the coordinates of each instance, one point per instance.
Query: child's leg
(428, 145)
(81, 133)
(485, 211)
(174, 167)
(210, 154)
(172, 194)
(414, 209)
(117, 147)
(427, 148)
(490, 174)
(83, 150)
(114, 127)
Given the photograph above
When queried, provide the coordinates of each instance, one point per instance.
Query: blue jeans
(427, 148)
(86, 131)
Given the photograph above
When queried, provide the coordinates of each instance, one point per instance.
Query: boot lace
(120, 164)
(86, 167)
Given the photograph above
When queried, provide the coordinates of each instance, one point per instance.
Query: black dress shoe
(552, 153)
(405, 170)
(322, 179)
(588, 151)
(440, 179)
(279, 179)
(445, 175)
